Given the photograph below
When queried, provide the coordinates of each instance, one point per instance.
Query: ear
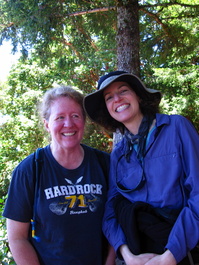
(46, 125)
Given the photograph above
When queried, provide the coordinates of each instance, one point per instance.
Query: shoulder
(119, 148)
(101, 154)
(96, 152)
(177, 124)
(97, 156)
(162, 119)
(25, 165)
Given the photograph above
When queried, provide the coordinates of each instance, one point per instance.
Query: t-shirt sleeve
(19, 203)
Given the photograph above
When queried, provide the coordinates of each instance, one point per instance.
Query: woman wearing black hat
(152, 207)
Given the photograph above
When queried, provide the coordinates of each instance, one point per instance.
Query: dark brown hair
(149, 104)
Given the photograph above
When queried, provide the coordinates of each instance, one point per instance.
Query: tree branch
(158, 20)
(169, 4)
(103, 9)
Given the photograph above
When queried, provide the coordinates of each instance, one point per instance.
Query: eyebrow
(106, 93)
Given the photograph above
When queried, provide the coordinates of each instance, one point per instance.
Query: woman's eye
(108, 98)
(75, 116)
(123, 91)
(60, 118)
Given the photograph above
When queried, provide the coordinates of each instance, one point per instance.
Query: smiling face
(65, 124)
(123, 105)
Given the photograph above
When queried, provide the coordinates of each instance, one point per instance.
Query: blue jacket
(171, 179)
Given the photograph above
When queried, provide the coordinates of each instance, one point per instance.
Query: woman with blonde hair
(66, 200)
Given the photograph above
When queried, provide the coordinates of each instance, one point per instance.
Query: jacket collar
(161, 119)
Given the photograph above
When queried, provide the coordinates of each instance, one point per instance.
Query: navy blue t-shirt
(69, 211)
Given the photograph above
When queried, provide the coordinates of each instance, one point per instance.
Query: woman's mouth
(122, 107)
(68, 134)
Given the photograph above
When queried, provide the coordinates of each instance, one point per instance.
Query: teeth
(69, 134)
(120, 108)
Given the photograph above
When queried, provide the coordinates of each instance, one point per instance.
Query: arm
(131, 259)
(110, 260)
(22, 251)
(188, 221)
(166, 258)
(111, 227)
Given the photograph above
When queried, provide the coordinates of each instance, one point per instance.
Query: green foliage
(98, 138)
(179, 87)
(59, 45)
(169, 32)
(25, 87)
(54, 32)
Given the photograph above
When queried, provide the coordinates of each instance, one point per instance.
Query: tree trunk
(128, 42)
(128, 36)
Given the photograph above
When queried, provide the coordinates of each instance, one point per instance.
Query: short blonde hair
(57, 92)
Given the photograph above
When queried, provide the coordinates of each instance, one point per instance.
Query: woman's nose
(68, 122)
(116, 97)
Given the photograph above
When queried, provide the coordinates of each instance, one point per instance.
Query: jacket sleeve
(111, 228)
(185, 233)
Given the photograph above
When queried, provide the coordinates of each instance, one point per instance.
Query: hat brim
(93, 101)
(92, 104)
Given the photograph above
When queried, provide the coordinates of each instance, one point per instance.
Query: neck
(133, 126)
(68, 158)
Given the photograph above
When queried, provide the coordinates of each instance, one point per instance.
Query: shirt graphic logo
(78, 198)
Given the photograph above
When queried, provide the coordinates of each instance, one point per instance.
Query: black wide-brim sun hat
(93, 101)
